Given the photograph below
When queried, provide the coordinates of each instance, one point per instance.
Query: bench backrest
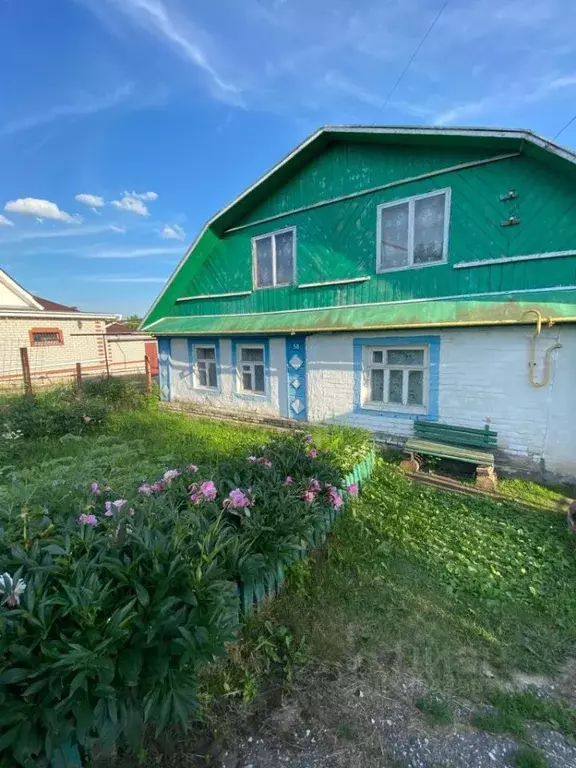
(445, 433)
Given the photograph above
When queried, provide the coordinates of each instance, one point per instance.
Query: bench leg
(486, 478)
(410, 465)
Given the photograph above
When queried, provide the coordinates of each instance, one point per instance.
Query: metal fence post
(26, 370)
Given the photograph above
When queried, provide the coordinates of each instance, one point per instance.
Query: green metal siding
(338, 241)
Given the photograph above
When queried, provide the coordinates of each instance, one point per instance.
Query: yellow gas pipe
(547, 354)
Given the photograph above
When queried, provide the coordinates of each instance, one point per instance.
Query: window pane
(394, 234)
(212, 378)
(395, 386)
(202, 378)
(378, 356)
(258, 378)
(264, 275)
(415, 387)
(377, 386)
(247, 381)
(205, 353)
(253, 355)
(429, 229)
(405, 357)
(285, 258)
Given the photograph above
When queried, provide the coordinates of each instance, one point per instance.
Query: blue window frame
(251, 367)
(204, 363)
(397, 377)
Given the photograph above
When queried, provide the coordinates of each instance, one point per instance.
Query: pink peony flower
(95, 488)
(88, 520)
(252, 459)
(158, 487)
(313, 453)
(308, 439)
(353, 489)
(334, 497)
(170, 475)
(289, 480)
(308, 496)
(192, 468)
(206, 491)
(238, 499)
(314, 485)
(118, 504)
(146, 489)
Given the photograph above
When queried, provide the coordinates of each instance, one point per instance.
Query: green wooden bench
(473, 446)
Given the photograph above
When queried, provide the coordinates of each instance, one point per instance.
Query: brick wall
(50, 360)
(483, 378)
(227, 400)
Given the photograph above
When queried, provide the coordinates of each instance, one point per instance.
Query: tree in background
(133, 321)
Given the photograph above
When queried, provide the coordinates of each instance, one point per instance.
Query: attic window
(413, 232)
(45, 337)
(274, 262)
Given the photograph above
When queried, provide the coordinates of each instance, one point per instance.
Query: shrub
(52, 414)
(108, 606)
(118, 393)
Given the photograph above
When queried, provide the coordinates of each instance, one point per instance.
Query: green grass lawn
(442, 585)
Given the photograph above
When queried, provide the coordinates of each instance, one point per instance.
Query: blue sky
(125, 124)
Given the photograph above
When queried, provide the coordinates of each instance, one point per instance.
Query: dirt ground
(349, 719)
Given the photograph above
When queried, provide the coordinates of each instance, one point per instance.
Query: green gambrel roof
(499, 140)
(558, 306)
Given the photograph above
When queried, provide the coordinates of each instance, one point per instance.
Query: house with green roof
(379, 276)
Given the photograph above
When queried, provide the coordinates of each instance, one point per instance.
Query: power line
(417, 50)
(568, 124)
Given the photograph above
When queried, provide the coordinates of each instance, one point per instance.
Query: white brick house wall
(181, 380)
(482, 379)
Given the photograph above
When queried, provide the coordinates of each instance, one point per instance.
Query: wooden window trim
(58, 343)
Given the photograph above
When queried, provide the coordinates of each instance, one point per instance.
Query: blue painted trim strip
(433, 343)
(263, 341)
(203, 341)
(297, 395)
(164, 365)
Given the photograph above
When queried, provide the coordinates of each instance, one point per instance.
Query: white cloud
(183, 37)
(40, 209)
(116, 228)
(133, 253)
(41, 234)
(133, 202)
(94, 201)
(4, 222)
(172, 232)
(87, 104)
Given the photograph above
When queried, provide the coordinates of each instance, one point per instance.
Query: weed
(527, 757)
(513, 710)
(437, 710)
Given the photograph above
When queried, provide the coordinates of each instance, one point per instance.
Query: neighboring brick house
(57, 337)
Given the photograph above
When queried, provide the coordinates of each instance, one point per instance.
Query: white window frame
(195, 373)
(240, 373)
(368, 366)
(411, 205)
(272, 235)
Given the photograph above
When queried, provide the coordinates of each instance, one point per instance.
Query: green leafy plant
(527, 757)
(110, 606)
(437, 709)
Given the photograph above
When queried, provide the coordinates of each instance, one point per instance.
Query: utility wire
(417, 50)
(568, 124)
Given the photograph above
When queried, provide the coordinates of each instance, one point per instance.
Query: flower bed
(109, 605)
